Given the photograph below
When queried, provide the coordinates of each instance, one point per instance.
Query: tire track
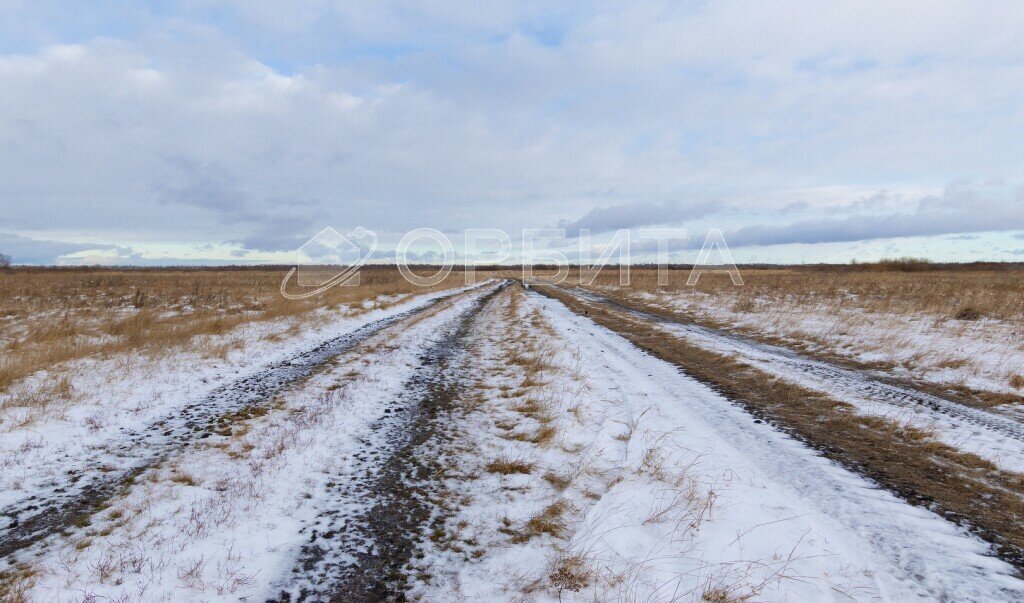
(916, 548)
(361, 545)
(830, 377)
(75, 494)
(960, 486)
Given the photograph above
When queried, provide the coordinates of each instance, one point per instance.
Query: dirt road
(500, 444)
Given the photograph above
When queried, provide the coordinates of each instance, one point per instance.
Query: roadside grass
(910, 462)
(183, 502)
(941, 293)
(924, 365)
(16, 584)
(507, 466)
(550, 520)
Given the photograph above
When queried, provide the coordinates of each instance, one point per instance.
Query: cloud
(25, 250)
(959, 210)
(260, 123)
(199, 185)
(632, 215)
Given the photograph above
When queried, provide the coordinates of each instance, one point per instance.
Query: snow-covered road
(993, 436)
(774, 492)
(72, 471)
(488, 445)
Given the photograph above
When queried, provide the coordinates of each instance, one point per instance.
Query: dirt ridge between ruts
(383, 540)
(961, 487)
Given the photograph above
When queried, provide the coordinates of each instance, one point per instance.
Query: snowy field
(483, 443)
(985, 353)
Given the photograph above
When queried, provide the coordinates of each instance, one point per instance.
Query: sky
(202, 132)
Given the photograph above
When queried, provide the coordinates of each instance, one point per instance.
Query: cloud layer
(643, 213)
(204, 130)
(958, 210)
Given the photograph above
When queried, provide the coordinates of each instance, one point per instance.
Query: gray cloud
(632, 215)
(959, 210)
(24, 250)
(199, 185)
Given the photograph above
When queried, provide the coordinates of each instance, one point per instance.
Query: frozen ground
(486, 445)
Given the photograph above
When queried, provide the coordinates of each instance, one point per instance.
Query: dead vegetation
(878, 288)
(16, 583)
(507, 466)
(532, 418)
(218, 483)
(512, 398)
(49, 317)
(550, 520)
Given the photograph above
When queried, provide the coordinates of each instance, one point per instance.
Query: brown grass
(507, 466)
(550, 520)
(934, 290)
(967, 313)
(859, 310)
(51, 316)
(16, 583)
(569, 572)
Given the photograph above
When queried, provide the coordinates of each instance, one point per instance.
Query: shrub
(968, 313)
(904, 264)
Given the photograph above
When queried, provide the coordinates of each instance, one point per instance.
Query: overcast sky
(201, 131)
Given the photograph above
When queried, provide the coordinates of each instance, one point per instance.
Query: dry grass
(51, 316)
(569, 572)
(507, 466)
(550, 520)
(16, 583)
(927, 289)
(937, 326)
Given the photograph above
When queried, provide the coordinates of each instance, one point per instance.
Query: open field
(57, 322)
(192, 435)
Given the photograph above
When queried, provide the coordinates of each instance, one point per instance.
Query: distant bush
(5, 261)
(904, 264)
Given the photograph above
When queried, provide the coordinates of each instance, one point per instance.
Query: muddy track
(838, 378)
(73, 496)
(361, 546)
